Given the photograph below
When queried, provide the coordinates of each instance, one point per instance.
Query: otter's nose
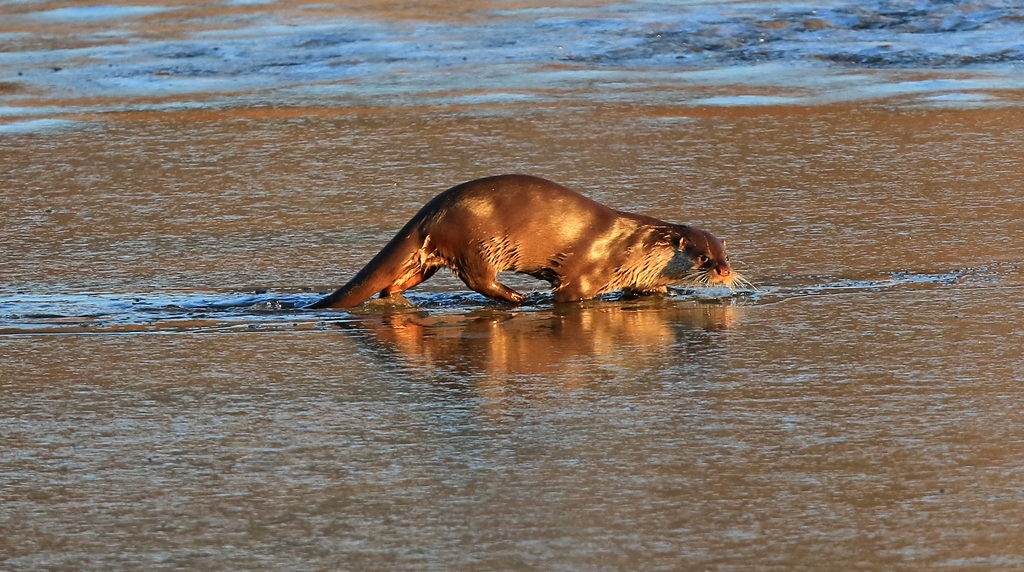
(724, 271)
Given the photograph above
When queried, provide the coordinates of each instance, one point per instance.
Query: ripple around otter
(156, 312)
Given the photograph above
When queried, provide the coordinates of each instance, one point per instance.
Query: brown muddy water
(166, 404)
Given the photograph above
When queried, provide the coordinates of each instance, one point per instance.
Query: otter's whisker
(695, 277)
(742, 281)
(699, 277)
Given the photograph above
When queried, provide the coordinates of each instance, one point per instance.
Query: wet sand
(167, 405)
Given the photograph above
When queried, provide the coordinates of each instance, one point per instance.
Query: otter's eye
(727, 258)
(703, 259)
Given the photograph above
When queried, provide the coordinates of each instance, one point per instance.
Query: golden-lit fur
(532, 226)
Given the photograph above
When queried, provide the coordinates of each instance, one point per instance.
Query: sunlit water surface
(167, 403)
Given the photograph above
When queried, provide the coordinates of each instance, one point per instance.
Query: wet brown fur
(533, 226)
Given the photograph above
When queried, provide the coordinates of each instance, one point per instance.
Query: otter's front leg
(497, 291)
(487, 284)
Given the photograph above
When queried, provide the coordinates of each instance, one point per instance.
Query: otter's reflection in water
(566, 346)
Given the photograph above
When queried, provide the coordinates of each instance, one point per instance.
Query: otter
(533, 226)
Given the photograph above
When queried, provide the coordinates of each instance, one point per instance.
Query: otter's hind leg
(408, 282)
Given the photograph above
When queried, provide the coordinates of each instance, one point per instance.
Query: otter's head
(700, 259)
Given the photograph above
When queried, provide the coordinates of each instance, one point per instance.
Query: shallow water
(166, 403)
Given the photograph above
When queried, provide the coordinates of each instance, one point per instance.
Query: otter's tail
(384, 271)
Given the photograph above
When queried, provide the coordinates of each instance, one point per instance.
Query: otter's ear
(682, 243)
(723, 244)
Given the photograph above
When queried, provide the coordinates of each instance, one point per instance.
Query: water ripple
(170, 312)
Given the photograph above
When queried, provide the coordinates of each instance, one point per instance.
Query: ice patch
(747, 100)
(961, 97)
(650, 50)
(28, 111)
(36, 125)
(489, 98)
(93, 13)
